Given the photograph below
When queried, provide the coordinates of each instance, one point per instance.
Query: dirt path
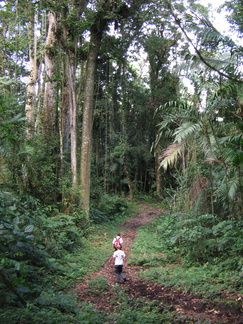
(187, 305)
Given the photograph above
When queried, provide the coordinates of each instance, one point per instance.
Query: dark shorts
(118, 268)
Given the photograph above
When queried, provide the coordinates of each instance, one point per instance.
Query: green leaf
(187, 129)
(29, 229)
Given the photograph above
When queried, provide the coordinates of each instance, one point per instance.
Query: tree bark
(31, 86)
(49, 97)
(157, 175)
(73, 113)
(87, 121)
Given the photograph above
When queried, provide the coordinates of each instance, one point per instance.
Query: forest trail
(190, 306)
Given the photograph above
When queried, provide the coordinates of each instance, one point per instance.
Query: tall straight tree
(73, 113)
(31, 86)
(50, 62)
(108, 11)
(96, 32)
(69, 17)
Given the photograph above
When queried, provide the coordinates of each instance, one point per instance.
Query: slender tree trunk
(31, 93)
(64, 123)
(211, 190)
(73, 113)
(157, 175)
(129, 182)
(49, 92)
(124, 132)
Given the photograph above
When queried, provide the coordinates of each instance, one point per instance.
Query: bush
(109, 209)
(31, 241)
(194, 253)
(202, 238)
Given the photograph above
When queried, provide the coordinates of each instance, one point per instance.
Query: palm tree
(202, 136)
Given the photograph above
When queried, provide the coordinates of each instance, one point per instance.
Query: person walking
(117, 241)
(119, 258)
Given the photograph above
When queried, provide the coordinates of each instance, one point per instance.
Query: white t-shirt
(118, 256)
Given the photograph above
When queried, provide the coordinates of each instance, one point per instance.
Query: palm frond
(16, 119)
(182, 105)
(233, 187)
(211, 35)
(155, 144)
(164, 124)
(170, 155)
(186, 129)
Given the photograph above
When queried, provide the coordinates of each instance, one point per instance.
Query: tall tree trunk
(31, 86)
(73, 113)
(64, 123)
(87, 121)
(129, 181)
(108, 8)
(125, 107)
(49, 93)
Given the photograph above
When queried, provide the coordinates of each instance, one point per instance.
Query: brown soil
(190, 306)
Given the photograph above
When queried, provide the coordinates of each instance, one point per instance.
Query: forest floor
(192, 307)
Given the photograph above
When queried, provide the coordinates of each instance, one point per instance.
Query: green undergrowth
(44, 254)
(138, 310)
(125, 309)
(199, 254)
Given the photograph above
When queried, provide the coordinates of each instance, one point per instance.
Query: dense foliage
(100, 85)
(42, 254)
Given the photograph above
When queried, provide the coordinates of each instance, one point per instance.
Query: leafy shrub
(31, 240)
(53, 309)
(202, 253)
(202, 238)
(110, 207)
(21, 255)
(59, 232)
(98, 217)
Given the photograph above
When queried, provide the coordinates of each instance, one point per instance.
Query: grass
(138, 310)
(161, 262)
(54, 304)
(94, 252)
(152, 250)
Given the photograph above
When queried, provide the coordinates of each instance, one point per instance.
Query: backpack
(117, 242)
